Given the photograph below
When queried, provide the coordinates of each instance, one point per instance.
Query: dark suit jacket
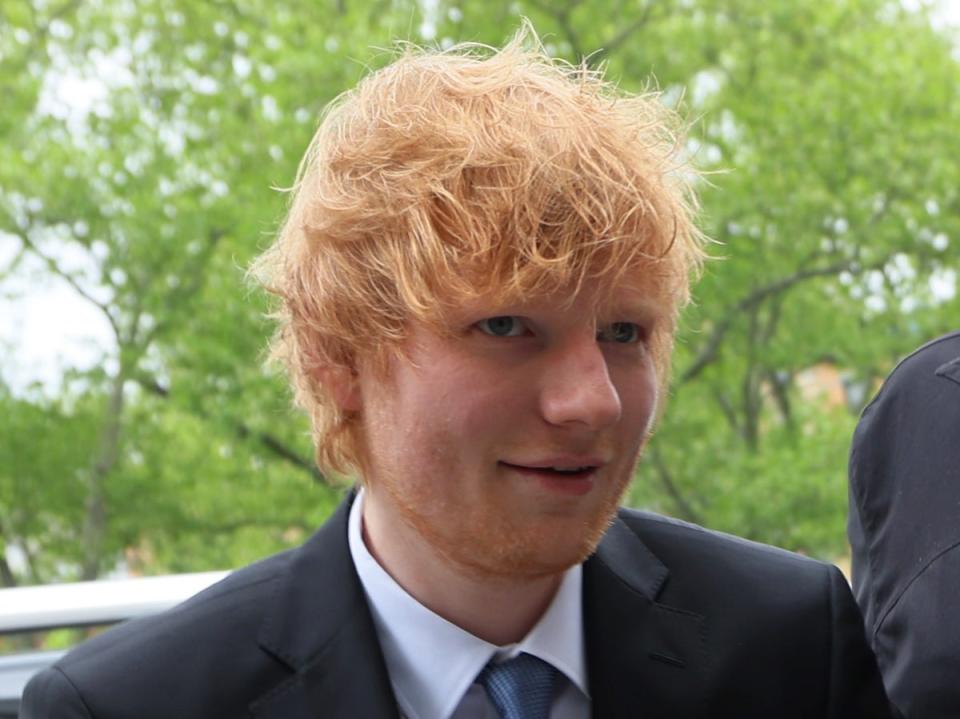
(679, 622)
(905, 528)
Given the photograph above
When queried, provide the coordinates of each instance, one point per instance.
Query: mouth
(564, 478)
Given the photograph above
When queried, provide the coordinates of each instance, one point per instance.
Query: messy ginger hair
(471, 172)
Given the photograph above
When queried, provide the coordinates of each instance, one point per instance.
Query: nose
(577, 389)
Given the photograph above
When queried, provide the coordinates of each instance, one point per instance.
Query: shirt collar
(432, 662)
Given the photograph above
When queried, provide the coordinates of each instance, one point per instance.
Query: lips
(559, 478)
(557, 472)
(558, 468)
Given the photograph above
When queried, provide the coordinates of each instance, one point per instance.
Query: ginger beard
(484, 541)
(445, 425)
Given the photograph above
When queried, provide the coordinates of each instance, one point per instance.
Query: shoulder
(674, 538)
(709, 569)
(910, 425)
(222, 651)
(925, 372)
(232, 606)
(935, 357)
(916, 410)
(144, 664)
(787, 621)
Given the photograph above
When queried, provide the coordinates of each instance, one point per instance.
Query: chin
(531, 554)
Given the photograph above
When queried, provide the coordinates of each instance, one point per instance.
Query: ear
(343, 385)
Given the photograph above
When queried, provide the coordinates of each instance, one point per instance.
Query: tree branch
(14, 263)
(726, 406)
(40, 31)
(270, 442)
(561, 16)
(708, 354)
(685, 509)
(280, 449)
(195, 284)
(781, 397)
(56, 269)
(608, 48)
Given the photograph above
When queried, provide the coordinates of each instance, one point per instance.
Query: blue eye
(621, 333)
(503, 326)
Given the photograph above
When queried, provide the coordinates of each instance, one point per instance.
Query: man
(479, 278)
(905, 528)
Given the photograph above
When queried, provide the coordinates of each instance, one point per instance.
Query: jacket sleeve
(856, 689)
(51, 695)
(917, 641)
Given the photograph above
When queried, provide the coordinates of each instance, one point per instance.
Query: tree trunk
(95, 519)
(7, 576)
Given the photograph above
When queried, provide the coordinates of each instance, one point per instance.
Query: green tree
(826, 127)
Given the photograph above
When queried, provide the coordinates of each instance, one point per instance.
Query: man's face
(506, 445)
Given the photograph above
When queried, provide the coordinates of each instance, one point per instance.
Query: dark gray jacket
(904, 529)
(680, 623)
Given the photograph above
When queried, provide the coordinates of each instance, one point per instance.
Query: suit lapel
(640, 653)
(318, 623)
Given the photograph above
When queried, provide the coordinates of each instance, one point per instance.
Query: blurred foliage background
(141, 142)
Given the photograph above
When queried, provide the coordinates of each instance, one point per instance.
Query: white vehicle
(80, 604)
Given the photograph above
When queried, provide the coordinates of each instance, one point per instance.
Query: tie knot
(520, 688)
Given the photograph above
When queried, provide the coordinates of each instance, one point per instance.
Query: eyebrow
(640, 304)
(645, 307)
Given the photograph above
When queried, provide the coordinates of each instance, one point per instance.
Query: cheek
(432, 420)
(639, 395)
(469, 399)
(469, 418)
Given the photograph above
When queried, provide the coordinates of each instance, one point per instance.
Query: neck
(496, 608)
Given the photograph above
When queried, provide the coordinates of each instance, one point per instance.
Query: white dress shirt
(433, 663)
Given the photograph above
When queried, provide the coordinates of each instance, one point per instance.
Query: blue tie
(520, 688)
